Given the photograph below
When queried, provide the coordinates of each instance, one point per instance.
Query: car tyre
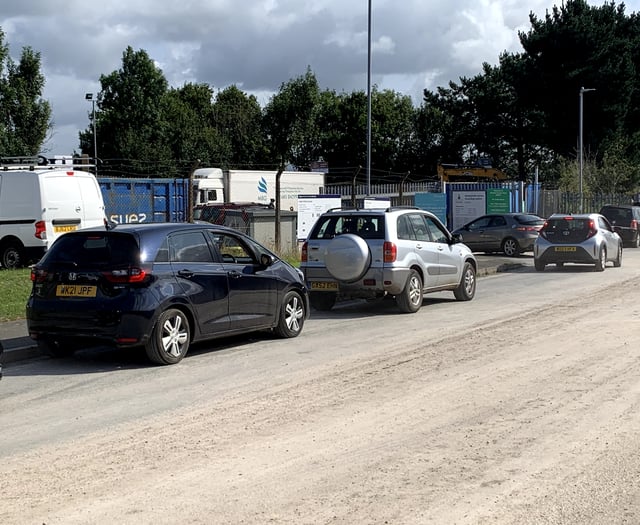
(602, 260)
(636, 241)
(322, 301)
(410, 300)
(511, 247)
(12, 256)
(292, 316)
(618, 260)
(55, 347)
(170, 338)
(467, 287)
(539, 265)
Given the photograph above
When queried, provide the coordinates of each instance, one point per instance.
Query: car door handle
(234, 274)
(188, 274)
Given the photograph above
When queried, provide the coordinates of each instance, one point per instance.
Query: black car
(161, 286)
(625, 219)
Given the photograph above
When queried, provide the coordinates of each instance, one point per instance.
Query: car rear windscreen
(94, 250)
(366, 226)
(566, 231)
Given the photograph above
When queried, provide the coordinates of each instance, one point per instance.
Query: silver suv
(369, 254)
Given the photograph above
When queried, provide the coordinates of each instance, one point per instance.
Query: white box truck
(37, 204)
(216, 186)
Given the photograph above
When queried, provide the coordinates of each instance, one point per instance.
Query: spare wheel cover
(347, 257)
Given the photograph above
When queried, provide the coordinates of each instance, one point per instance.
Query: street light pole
(89, 96)
(369, 102)
(580, 146)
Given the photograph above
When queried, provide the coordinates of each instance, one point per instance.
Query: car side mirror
(266, 260)
(456, 238)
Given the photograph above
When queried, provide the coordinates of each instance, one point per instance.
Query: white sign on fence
(466, 206)
(310, 207)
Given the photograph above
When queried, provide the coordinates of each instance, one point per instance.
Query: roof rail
(393, 208)
(41, 162)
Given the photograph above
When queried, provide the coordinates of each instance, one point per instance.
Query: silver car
(579, 238)
(398, 252)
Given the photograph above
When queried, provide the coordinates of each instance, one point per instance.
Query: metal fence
(533, 199)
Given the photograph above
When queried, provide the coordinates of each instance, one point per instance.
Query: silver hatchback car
(579, 238)
(398, 252)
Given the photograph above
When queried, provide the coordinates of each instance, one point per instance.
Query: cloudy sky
(259, 44)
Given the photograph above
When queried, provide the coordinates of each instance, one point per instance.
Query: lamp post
(369, 102)
(89, 96)
(580, 147)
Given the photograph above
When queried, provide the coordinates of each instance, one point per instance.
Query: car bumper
(376, 282)
(565, 255)
(113, 327)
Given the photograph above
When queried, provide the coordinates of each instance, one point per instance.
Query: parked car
(398, 252)
(510, 233)
(580, 238)
(40, 202)
(161, 286)
(625, 220)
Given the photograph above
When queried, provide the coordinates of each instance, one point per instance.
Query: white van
(37, 204)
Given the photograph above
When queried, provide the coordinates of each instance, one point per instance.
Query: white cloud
(415, 44)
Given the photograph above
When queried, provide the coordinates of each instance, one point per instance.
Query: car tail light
(592, 229)
(527, 228)
(304, 253)
(390, 252)
(41, 230)
(634, 224)
(543, 230)
(126, 276)
(38, 275)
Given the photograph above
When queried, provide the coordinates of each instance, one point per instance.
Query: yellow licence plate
(322, 285)
(75, 290)
(565, 248)
(65, 228)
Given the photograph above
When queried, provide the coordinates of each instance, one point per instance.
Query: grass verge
(15, 286)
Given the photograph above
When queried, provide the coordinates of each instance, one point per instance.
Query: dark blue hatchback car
(161, 286)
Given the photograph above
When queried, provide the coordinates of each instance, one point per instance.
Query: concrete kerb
(18, 346)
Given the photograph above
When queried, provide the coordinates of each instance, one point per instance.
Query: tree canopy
(522, 112)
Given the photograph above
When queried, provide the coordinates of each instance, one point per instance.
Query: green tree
(187, 121)
(237, 117)
(25, 118)
(342, 121)
(129, 118)
(578, 45)
(289, 120)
